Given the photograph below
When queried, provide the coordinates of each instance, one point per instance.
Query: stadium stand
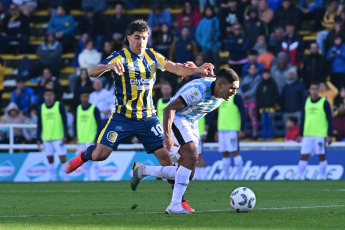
(39, 26)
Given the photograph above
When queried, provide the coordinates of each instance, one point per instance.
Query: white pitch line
(305, 207)
(45, 191)
(145, 213)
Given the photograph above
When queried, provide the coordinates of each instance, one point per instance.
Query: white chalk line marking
(45, 191)
(146, 213)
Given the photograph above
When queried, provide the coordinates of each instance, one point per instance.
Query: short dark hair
(266, 71)
(47, 35)
(88, 41)
(21, 79)
(338, 36)
(65, 7)
(208, 6)
(158, 6)
(85, 91)
(201, 55)
(293, 119)
(278, 28)
(48, 68)
(253, 64)
(185, 27)
(227, 74)
(166, 83)
(32, 107)
(138, 25)
(315, 83)
(253, 52)
(49, 90)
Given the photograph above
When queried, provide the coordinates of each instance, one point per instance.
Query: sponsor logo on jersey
(151, 66)
(140, 81)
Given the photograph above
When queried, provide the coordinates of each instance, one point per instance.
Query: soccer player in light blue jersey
(180, 124)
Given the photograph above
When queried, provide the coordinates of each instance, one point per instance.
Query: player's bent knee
(191, 159)
(189, 154)
(163, 157)
(166, 161)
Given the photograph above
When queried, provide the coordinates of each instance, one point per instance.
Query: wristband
(205, 133)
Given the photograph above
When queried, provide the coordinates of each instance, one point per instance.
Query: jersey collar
(136, 55)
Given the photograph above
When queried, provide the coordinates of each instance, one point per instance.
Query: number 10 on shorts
(157, 130)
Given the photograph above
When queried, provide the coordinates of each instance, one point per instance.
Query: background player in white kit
(316, 129)
(193, 101)
(230, 131)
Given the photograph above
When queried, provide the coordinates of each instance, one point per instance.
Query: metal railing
(213, 146)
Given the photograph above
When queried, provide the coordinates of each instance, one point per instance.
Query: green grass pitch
(112, 205)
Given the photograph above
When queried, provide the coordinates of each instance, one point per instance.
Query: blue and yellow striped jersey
(133, 88)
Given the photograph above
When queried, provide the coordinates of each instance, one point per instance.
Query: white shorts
(183, 132)
(56, 146)
(313, 145)
(228, 141)
(82, 147)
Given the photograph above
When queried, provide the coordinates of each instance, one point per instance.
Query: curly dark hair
(138, 25)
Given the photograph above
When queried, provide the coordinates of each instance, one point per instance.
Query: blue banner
(276, 165)
(258, 165)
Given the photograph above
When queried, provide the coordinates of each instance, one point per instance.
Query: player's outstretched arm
(100, 69)
(168, 118)
(206, 70)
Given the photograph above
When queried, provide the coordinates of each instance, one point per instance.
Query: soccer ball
(242, 199)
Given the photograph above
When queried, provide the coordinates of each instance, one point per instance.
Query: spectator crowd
(263, 39)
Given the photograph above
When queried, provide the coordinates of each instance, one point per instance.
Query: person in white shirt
(102, 98)
(89, 57)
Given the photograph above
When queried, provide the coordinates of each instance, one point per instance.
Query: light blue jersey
(198, 97)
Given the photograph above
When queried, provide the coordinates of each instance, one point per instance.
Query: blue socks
(87, 155)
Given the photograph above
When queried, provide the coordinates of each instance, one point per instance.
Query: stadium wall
(258, 165)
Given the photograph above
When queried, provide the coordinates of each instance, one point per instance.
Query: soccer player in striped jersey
(134, 72)
(181, 136)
